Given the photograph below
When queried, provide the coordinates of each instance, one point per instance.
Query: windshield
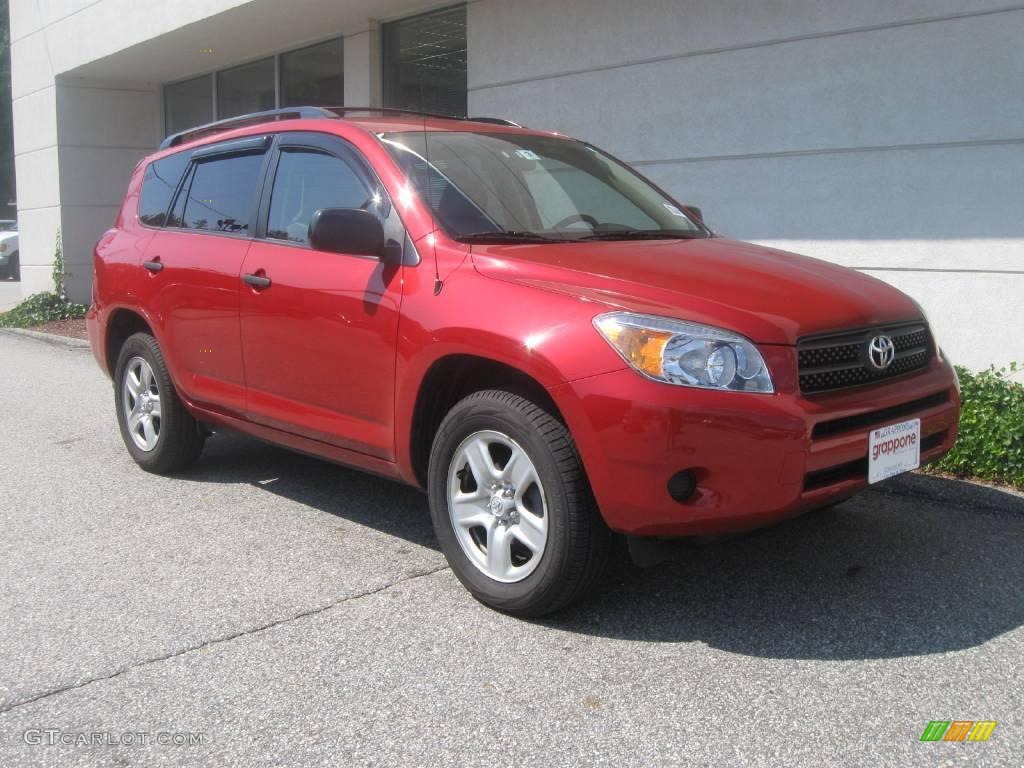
(511, 186)
(7, 225)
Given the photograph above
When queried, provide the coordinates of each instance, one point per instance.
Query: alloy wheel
(140, 396)
(497, 506)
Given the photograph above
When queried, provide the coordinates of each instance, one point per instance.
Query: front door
(194, 265)
(319, 329)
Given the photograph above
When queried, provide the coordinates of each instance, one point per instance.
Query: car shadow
(375, 502)
(919, 565)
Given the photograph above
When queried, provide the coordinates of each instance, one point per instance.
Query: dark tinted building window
(188, 104)
(425, 62)
(222, 195)
(314, 76)
(158, 184)
(306, 181)
(245, 89)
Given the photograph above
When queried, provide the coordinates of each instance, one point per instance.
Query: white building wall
(75, 140)
(86, 86)
(887, 136)
(883, 134)
(97, 155)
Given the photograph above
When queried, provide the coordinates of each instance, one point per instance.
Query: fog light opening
(682, 485)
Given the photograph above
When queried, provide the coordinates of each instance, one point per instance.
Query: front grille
(858, 468)
(838, 360)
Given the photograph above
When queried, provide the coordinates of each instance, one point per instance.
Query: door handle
(153, 266)
(257, 281)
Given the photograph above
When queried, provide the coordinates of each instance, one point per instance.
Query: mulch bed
(74, 329)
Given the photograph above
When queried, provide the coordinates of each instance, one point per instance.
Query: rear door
(318, 337)
(195, 264)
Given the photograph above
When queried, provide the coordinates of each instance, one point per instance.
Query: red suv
(516, 322)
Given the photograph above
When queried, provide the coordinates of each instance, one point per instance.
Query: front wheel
(159, 433)
(512, 507)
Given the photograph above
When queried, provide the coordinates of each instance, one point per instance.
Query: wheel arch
(122, 324)
(453, 377)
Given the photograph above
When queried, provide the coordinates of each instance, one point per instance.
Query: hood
(769, 296)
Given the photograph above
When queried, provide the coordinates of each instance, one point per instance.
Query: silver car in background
(10, 267)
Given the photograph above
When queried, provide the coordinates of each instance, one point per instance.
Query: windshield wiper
(507, 236)
(644, 234)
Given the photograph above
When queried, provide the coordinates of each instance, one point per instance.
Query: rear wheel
(512, 507)
(160, 434)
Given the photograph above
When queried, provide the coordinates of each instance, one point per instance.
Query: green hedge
(41, 308)
(991, 442)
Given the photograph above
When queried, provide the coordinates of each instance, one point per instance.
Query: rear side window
(305, 182)
(222, 193)
(158, 184)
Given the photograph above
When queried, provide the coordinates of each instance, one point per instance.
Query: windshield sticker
(674, 211)
(527, 154)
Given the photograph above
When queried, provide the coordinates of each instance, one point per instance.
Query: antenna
(438, 283)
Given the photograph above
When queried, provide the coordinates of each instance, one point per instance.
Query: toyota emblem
(881, 352)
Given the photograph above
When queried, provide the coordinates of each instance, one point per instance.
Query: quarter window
(305, 182)
(222, 195)
(158, 185)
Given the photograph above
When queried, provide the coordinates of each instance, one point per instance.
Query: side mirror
(694, 213)
(347, 230)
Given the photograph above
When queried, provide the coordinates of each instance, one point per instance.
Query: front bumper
(757, 458)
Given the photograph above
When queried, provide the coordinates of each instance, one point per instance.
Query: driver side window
(306, 181)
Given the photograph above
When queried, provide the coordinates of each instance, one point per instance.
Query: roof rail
(286, 113)
(299, 113)
(341, 111)
(494, 121)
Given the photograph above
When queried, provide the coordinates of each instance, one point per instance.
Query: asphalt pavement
(269, 609)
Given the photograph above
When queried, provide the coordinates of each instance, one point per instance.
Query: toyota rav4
(551, 346)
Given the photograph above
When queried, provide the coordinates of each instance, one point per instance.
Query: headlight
(3, 247)
(686, 354)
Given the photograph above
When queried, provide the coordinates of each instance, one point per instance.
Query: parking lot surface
(283, 611)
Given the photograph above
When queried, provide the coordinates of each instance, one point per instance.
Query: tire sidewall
(143, 346)
(474, 416)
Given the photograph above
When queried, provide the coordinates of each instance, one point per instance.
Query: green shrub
(41, 308)
(59, 286)
(991, 441)
(45, 307)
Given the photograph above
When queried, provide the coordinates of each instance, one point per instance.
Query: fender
(519, 326)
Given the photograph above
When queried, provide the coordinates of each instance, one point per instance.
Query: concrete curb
(47, 338)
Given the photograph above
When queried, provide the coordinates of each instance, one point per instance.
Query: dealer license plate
(893, 450)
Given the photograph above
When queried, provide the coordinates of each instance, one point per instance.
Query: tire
(549, 490)
(14, 267)
(172, 440)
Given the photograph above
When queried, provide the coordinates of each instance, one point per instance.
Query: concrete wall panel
(35, 121)
(110, 114)
(30, 65)
(554, 37)
(37, 237)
